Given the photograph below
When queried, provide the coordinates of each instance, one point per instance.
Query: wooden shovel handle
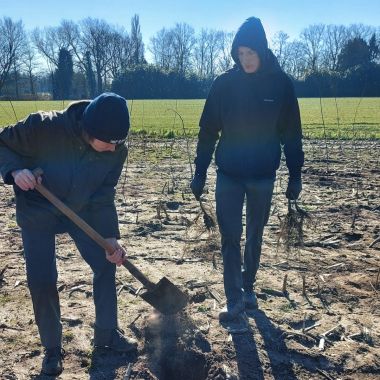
(89, 230)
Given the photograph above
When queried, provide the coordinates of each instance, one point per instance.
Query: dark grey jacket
(81, 177)
(253, 115)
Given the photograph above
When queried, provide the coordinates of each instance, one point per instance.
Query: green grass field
(344, 118)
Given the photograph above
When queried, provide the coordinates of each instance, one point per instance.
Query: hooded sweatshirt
(252, 115)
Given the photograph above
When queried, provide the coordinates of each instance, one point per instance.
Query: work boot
(250, 300)
(231, 311)
(114, 340)
(238, 325)
(52, 363)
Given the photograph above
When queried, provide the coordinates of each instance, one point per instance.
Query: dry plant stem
(14, 112)
(373, 287)
(330, 331)
(374, 242)
(215, 294)
(312, 327)
(324, 135)
(186, 138)
(134, 321)
(3, 326)
(325, 374)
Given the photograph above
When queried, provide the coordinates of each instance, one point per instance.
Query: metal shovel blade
(165, 297)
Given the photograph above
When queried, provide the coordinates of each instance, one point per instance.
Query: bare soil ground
(333, 284)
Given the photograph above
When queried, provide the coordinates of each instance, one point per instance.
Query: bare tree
(360, 31)
(183, 42)
(214, 48)
(120, 52)
(172, 49)
(30, 65)
(336, 37)
(207, 48)
(12, 40)
(279, 42)
(116, 51)
(49, 41)
(95, 37)
(161, 46)
(225, 58)
(18, 61)
(295, 65)
(200, 53)
(312, 39)
(70, 34)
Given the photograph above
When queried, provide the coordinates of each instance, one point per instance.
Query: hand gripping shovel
(163, 296)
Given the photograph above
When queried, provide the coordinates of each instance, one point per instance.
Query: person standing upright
(253, 111)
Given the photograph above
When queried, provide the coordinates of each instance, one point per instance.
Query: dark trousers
(41, 269)
(230, 195)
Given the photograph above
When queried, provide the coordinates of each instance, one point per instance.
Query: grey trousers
(41, 269)
(230, 195)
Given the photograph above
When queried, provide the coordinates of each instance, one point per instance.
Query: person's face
(249, 59)
(101, 146)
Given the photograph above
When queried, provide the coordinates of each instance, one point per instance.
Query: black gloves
(197, 184)
(294, 188)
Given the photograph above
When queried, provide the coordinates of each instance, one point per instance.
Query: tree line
(82, 59)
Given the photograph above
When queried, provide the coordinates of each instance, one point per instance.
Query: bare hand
(119, 253)
(25, 179)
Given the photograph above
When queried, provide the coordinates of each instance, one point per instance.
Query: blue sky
(291, 16)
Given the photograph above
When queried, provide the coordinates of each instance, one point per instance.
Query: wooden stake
(284, 283)
(304, 285)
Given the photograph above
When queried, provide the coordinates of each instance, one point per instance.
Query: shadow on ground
(276, 359)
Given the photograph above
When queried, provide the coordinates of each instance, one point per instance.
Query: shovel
(163, 296)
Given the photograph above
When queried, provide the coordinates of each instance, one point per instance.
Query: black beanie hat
(106, 118)
(250, 34)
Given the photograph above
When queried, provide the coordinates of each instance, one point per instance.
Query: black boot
(52, 363)
(233, 318)
(250, 300)
(231, 311)
(113, 339)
